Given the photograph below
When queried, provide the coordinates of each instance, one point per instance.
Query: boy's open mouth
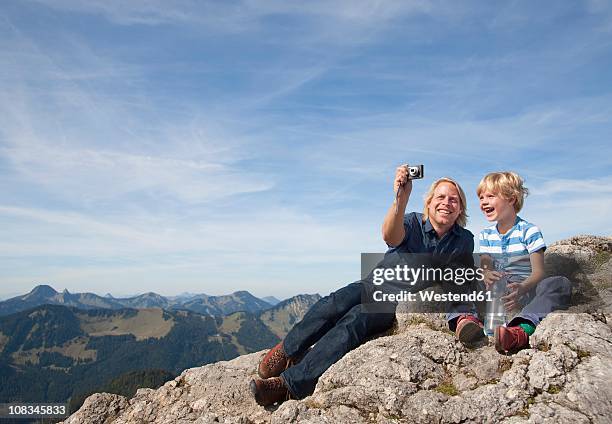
(488, 210)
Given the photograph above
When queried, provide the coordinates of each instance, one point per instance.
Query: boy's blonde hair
(462, 218)
(507, 184)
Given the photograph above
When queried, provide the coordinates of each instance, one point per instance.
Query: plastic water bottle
(495, 315)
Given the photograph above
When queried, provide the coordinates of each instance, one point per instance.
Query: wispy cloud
(221, 146)
(78, 140)
(147, 250)
(237, 16)
(586, 187)
(113, 175)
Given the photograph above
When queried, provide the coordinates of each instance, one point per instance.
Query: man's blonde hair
(507, 184)
(462, 218)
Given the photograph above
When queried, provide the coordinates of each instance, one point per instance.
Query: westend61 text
(411, 275)
(430, 296)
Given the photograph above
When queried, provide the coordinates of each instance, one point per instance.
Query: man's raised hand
(402, 186)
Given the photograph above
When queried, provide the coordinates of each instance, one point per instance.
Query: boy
(516, 248)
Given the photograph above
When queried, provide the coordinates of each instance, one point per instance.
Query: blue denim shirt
(421, 237)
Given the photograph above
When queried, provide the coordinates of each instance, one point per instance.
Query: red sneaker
(469, 329)
(510, 339)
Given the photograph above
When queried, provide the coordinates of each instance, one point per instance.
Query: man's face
(445, 206)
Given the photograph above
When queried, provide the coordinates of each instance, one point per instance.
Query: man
(338, 323)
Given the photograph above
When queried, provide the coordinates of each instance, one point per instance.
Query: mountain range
(200, 303)
(56, 347)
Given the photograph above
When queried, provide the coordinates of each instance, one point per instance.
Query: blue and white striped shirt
(512, 250)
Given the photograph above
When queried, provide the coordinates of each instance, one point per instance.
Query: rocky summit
(419, 373)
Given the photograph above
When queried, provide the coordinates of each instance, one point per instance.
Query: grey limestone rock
(418, 373)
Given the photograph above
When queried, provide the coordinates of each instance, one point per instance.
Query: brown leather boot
(269, 391)
(274, 363)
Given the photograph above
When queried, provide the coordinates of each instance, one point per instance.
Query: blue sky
(218, 146)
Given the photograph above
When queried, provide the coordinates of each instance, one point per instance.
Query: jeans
(337, 324)
(550, 294)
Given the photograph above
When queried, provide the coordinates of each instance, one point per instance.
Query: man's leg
(321, 316)
(348, 333)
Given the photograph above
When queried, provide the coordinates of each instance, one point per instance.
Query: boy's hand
(491, 277)
(511, 300)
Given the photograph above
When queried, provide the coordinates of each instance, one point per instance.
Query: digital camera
(415, 172)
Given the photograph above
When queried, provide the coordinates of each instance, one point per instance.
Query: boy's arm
(486, 261)
(534, 242)
(511, 301)
(537, 270)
